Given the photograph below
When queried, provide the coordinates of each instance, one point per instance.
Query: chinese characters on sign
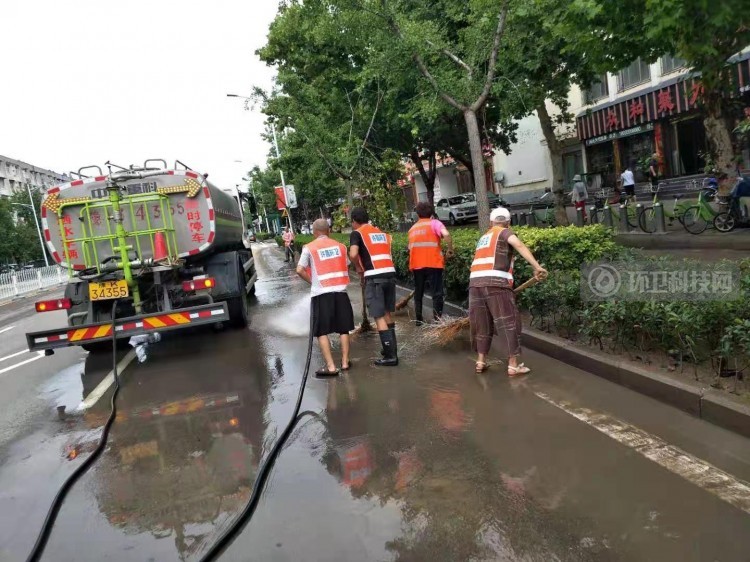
(612, 121)
(635, 109)
(665, 102)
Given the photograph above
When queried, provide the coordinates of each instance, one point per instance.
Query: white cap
(500, 214)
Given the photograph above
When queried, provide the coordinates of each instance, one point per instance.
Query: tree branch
(336, 171)
(417, 159)
(369, 129)
(455, 59)
(499, 31)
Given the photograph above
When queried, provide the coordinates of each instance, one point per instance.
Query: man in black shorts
(370, 251)
(324, 264)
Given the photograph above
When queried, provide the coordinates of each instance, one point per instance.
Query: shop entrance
(691, 142)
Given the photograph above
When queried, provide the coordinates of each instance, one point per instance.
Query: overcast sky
(83, 82)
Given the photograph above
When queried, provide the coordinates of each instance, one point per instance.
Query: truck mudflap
(127, 327)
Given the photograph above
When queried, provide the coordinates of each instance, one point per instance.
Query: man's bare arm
(526, 254)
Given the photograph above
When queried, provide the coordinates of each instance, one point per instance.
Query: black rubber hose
(265, 468)
(49, 521)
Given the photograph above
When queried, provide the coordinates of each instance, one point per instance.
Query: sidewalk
(737, 240)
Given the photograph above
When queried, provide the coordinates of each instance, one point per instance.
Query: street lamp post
(278, 155)
(36, 222)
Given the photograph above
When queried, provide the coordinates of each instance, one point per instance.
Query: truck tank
(201, 219)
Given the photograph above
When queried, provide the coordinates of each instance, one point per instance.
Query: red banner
(280, 198)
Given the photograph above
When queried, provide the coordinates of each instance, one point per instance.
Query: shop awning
(637, 114)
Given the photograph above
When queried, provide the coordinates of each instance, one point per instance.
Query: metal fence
(25, 281)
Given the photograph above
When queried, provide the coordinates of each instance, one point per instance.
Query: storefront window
(636, 149)
(601, 159)
(635, 74)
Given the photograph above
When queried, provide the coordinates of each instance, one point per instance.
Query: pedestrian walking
(579, 194)
(426, 259)
(324, 264)
(627, 179)
(492, 304)
(288, 237)
(370, 251)
(653, 171)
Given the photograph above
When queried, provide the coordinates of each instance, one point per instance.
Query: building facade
(15, 175)
(648, 109)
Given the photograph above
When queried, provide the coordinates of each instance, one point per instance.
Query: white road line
(108, 381)
(6, 329)
(12, 355)
(39, 355)
(697, 471)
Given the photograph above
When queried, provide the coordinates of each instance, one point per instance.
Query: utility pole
(36, 222)
(283, 183)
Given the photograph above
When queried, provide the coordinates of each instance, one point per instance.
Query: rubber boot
(392, 328)
(437, 308)
(388, 341)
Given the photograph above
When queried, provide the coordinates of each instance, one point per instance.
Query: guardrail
(26, 281)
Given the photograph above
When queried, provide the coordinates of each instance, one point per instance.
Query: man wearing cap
(370, 251)
(492, 303)
(426, 259)
(324, 264)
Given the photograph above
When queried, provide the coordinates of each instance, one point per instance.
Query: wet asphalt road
(423, 462)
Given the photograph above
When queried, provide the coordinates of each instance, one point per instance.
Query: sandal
(517, 371)
(481, 367)
(324, 372)
(349, 366)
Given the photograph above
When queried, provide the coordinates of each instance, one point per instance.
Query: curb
(738, 241)
(705, 403)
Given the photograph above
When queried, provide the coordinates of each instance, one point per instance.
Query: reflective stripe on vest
(485, 255)
(424, 246)
(329, 263)
(378, 245)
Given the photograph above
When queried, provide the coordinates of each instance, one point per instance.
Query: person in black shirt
(370, 252)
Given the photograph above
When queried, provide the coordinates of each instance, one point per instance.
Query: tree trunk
(720, 142)
(555, 155)
(477, 165)
(428, 176)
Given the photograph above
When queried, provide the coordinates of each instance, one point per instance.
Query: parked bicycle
(647, 216)
(630, 210)
(544, 217)
(698, 217)
(737, 214)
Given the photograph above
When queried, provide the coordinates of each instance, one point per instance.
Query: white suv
(458, 209)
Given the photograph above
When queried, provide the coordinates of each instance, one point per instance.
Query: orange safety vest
(484, 257)
(378, 245)
(329, 264)
(424, 246)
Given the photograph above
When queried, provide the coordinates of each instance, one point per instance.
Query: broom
(445, 332)
(402, 304)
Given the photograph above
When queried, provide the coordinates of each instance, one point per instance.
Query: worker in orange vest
(426, 258)
(324, 264)
(370, 251)
(492, 303)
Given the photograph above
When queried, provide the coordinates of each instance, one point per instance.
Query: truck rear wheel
(239, 307)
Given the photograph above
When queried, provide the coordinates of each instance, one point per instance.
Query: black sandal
(349, 366)
(324, 372)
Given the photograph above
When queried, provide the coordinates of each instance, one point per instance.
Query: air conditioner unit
(499, 177)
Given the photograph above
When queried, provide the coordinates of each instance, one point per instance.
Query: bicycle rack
(531, 219)
(623, 225)
(661, 227)
(579, 217)
(608, 217)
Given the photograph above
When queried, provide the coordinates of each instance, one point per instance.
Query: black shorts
(332, 314)
(629, 189)
(380, 296)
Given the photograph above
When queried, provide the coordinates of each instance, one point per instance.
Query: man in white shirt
(628, 182)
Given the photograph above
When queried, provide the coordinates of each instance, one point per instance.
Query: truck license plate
(108, 290)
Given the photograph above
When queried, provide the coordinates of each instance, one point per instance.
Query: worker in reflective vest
(324, 264)
(492, 303)
(370, 251)
(426, 258)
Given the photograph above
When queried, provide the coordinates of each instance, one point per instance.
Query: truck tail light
(198, 284)
(57, 304)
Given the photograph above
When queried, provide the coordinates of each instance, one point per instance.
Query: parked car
(458, 209)
(496, 201)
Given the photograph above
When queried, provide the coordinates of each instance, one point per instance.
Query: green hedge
(555, 248)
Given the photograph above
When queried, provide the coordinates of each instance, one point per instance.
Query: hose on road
(49, 521)
(228, 536)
